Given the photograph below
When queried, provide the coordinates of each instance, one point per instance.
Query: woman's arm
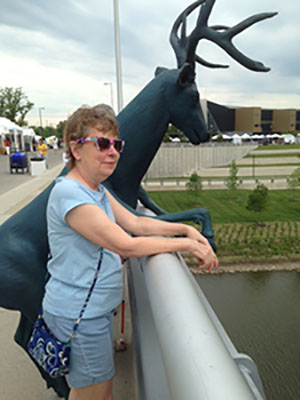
(147, 226)
(92, 223)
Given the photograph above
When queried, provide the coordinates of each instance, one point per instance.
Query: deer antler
(185, 46)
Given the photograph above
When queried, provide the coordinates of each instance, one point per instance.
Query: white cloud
(61, 53)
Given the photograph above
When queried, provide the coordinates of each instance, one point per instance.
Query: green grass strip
(230, 207)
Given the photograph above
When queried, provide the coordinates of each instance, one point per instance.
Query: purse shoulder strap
(87, 298)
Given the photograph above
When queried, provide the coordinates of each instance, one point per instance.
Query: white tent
(289, 138)
(28, 132)
(236, 139)
(14, 131)
(257, 137)
(6, 123)
(245, 136)
(52, 139)
(28, 136)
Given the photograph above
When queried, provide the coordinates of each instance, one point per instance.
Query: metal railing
(182, 351)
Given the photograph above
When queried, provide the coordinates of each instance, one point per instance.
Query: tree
(60, 128)
(294, 179)
(258, 200)
(232, 180)
(14, 105)
(194, 184)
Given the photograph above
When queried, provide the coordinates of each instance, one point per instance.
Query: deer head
(185, 50)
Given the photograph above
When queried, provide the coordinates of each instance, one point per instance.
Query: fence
(174, 160)
(221, 183)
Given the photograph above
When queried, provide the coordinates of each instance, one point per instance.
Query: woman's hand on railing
(209, 260)
(192, 233)
(202, 250)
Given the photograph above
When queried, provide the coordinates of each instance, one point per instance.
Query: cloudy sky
(61, 52)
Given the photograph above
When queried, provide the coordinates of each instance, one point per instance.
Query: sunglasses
(103, 143)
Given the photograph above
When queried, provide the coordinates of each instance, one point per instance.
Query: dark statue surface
(171, 97)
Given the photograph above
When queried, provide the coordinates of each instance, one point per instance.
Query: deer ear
(186, 75)
(159, 70)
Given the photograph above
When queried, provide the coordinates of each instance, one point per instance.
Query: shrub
(258, 200)
(194, 184)
(232, 180)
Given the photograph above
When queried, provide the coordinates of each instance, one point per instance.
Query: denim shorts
(91, 348)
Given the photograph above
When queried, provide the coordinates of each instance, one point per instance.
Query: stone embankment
(266, 266)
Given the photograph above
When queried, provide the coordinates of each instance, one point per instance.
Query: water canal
(261, 313)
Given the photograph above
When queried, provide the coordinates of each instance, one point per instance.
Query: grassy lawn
(237, 236)
(279, 147)
(228, 207)
(269, 165)
(273, 155)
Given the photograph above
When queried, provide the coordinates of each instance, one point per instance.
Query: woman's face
(99, 165)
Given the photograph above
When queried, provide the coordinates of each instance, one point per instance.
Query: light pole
(118, 56)
(111, 93)
(40, 114)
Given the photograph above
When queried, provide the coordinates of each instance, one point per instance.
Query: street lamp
(111, 93)
(118, 56)
(40, 114)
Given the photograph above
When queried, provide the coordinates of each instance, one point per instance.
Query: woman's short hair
(80, 122)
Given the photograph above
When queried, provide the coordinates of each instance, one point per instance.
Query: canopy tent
(245, 136)
(256, 136)
(289, 138)
(28, 137)
(28, 132)
(50, 140)
(14, 131)
(6, 123)
(226, 137)
(236, 139)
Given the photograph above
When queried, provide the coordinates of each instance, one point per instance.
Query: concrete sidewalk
(16, 198)
(9, 181)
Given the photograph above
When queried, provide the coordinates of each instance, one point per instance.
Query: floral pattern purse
(51, 354)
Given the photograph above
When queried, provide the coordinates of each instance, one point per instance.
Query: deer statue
(171, 97)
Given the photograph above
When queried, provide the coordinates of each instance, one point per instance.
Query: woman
(42, 148)
(83, 218)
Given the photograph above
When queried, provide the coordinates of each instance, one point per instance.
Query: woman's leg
(99, 391)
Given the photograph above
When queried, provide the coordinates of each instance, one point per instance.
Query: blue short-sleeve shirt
(74, 259)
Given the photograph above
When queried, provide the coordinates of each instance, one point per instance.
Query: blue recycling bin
(18, 161)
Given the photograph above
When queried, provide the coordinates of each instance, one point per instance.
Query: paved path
(17, 189)
(9, 181)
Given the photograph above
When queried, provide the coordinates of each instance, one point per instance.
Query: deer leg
(147, 202)
(197, 215)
